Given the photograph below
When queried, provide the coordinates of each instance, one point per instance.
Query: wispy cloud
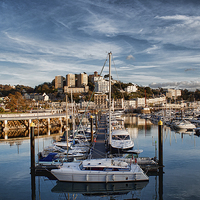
(190, 85)
(46, 39)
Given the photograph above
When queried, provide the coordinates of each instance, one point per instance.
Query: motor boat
(100, 170)
(121, 141)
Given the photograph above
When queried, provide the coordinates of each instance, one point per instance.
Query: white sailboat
(119, 140)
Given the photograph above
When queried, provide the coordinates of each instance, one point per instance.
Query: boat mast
(110, 97)
(66, 136)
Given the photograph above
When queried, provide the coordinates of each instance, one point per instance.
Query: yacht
(100, 170)
(121, 141)
(184, 124)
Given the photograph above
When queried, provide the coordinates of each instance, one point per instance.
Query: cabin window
(108, 169)
(94, 168)
(124, 169)
(121, 137)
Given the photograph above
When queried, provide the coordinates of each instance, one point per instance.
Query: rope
(117, 76)
(89, 101)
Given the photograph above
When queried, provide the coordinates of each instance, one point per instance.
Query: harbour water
(181, 178)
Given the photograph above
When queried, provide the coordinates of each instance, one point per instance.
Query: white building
(97, 78)
(102, 86)
(82, 79)
(171, 93)
(59, 83)
(70, 80)
(131, 88)
(46, 97)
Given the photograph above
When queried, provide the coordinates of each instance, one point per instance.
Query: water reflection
(135, 124)
(98, 189)
(23, 133)
(184, 131)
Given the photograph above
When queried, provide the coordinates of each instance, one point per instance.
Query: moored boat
(121, 141)
(100, 170)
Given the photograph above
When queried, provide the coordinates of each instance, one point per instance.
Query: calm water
(181, 179)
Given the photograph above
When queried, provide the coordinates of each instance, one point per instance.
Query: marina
(181, 151)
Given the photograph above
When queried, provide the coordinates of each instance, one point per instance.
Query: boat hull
(75, 175)
(120, 150)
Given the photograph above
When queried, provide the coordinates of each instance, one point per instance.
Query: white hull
(71, 172)
(184, 125)
(121, 141)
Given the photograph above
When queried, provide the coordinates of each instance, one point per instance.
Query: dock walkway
(99, 150)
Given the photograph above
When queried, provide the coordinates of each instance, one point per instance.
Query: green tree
(1, 110)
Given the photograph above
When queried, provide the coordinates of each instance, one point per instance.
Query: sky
(153, 43)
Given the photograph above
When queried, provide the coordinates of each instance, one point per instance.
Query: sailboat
(105, 170)
(119, 140)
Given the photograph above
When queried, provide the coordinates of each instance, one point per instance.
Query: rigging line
(99, 152)
(90, 99)
(117, 76)
(102, 156)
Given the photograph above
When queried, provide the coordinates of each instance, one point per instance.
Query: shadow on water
(98, 189)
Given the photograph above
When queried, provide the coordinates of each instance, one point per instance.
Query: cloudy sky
(153, 43)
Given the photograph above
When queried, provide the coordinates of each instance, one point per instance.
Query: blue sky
(153, 43)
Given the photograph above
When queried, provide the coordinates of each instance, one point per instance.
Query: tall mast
(110, 97)
(66, 136)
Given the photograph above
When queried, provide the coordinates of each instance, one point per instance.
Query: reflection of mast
(145, 127)
(160, 183)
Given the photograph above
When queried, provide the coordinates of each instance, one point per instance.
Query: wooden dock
(99, 150)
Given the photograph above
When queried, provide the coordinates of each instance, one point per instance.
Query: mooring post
(32, 144)
(160, 143)
(49, 123)
(91, 124)
(96, 121)
(160, 162)
(32, 125)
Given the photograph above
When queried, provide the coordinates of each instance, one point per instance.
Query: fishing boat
(100, 170)
(121, 141)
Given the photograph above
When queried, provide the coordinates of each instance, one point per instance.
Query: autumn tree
(16, 102)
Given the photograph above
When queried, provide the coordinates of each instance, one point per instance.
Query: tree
(15, 102)
(1, 110)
